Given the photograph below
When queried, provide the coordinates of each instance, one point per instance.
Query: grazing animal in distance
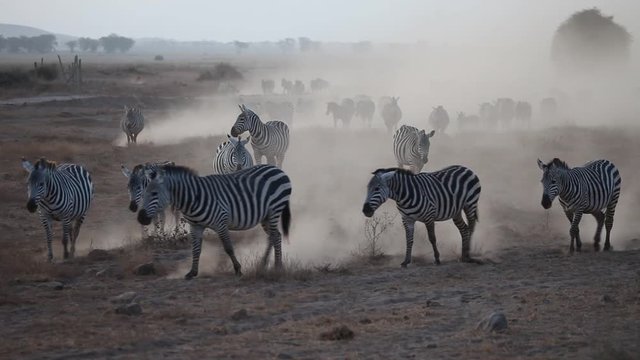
(365, 108)
(132, 123)
(136, 185)
(60, 192)
(232, 156)
(411, 147)
(588, 189)
(287, 86)
(428, 197)
(467, 122)
(439, 119)
(523, 113)
(343, 111)
(237, 201)
(506, 108)
(298, 88)
(391, 114)
(488, 115)
(270, 139)
(268, 86)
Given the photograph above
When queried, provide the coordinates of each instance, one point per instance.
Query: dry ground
(558, 306)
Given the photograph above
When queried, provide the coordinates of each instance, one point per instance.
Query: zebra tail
(286, 220)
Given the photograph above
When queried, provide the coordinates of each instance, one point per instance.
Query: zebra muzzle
(367, 210)
(32, 206)
(546, 202)
(143, 218)
(133, 206)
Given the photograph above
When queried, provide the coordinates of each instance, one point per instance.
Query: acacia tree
(589, 40)
(71, 45)
(113, 43)
(88, 44)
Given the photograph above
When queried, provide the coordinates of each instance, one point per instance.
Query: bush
(221, 72)
(47, 72)
(158, 58)
(15, 77)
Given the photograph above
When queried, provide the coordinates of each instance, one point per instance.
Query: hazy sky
(454, 21)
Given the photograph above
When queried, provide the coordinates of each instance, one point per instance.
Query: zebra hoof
(404, 265)
(437, 262)
(190, 275)
(607, 248)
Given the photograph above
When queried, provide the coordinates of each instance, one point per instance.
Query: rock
(124, 298)
(495, 322)
(338, 333)
(145, 269)
(606, 299)
(240, 314)
(54, 285)
(129, 309)
(432, 303)
(99, 255)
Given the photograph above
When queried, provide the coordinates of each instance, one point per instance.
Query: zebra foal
(132, 123)
(588, 189)
(60, 192)
(428, 197)
(238, 201)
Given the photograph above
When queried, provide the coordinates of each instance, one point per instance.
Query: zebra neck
(568, 186)
(257, 129)
(400, 188)
(184, 192)
(54, 186)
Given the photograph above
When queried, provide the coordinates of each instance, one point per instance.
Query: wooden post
(80, 71)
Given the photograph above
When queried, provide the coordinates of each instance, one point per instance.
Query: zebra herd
(241, 195)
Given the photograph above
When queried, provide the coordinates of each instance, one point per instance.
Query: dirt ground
(557, 305)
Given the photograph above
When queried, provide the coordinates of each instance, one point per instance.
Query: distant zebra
(411, 147)
(238, 201)
(439, 119)
(232, 156)
(523, 113)
(268, 86)
(365, 108)
(488, 115)
(136, 185)
(506, 109)
(467, 122)
(59, 192)
(391, 114)
(583, 190)
(287, 86)
(428, 197)
(132, 123)
(343, 112)
(298, 88)
(270, 139)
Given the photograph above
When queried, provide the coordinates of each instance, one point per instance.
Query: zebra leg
(279, 161)
(258, 157)
(196, 247)
(267, 253)
(431, 232)
(176, 218)
(464, 232)
(66, 234)
(271, 160)
(409, 226)
(46, 223)
(228, 248)
(575, 232)
(600, 220)
(74, 236)
(608, 223)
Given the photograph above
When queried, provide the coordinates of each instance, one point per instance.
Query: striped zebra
(138, 182)
(270, 139)
(391, 114)
(59, 192)
(428, 197)
(238, 201)
(132, 123)
(232, 156)
(411, 147)
(589, 189)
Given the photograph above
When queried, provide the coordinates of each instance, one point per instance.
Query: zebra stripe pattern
(232, 156)
(62, 193)
(428, 197)
(589, 189)
(132, 123)
(411, 147)
(238, 201)
(270, 139)
(138, 182)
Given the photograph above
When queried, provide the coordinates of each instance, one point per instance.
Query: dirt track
(558, 306)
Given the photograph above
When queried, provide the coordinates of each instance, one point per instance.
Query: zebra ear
(228, 136)
(433, 132)
(245, 141)
(27, 165)
(541, 165)
(125, 171)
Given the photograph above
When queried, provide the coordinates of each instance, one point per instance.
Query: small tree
(71, 45)
(113, 43)
(88, 44)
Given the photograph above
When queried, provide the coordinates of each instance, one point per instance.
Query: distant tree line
(47, 43)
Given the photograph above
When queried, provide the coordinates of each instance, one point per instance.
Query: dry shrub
(46, 72)
(24, 266)
(291, 270)
(14, 78)
(372, 246)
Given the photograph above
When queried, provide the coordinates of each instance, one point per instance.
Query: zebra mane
(558, 164)
(397, 170)
(178, 170)
(45, 164)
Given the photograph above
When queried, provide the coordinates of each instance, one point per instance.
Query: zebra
(132, 123)
(365, 108)
(506, 109)
(268, 86)
(411, 147)
(238, 201)
(343, 111)
(428, 197)
(232, 156)
(287, 86)
(60, 192)
(391, 114)
(523, 112)
(439, 118)
(270, 139)
(488, 115)
(298, 88)
(583, 190)
(467, 122)
(136, 185)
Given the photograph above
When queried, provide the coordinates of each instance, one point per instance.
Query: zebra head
(135, 185)
(243, 122)
(156, 196)
(378, 191)
(38, 180)
(551, 180)
(423, 145)
(239, 156)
